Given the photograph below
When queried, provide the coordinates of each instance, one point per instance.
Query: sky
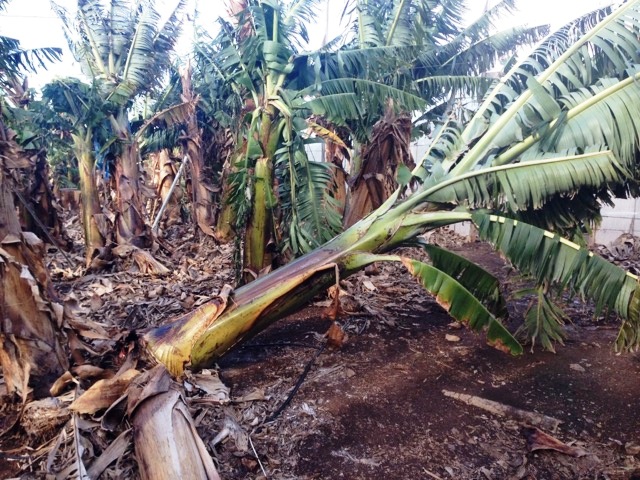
(35, 25)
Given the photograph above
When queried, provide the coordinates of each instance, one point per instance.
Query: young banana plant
(554, 136)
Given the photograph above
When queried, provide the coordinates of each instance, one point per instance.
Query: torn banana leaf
(564, 264)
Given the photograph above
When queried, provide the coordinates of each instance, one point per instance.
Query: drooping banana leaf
(462, 305)
(565, 265)
(529, 184)
(480, 283)
(559, 66)
(543, 320)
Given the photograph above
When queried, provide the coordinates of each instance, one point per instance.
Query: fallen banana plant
(469, 293)
(529, 158)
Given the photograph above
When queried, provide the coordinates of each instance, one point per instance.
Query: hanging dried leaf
(336, 336)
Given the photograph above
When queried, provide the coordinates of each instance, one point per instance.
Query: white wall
(623, 218)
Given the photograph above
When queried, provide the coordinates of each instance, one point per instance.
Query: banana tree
(79, 104)
(432, 54)
(202, 201)
(285, 203)
(124, 47)
(551, 140)
(256, 57)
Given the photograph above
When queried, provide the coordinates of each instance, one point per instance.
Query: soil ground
(375, 407)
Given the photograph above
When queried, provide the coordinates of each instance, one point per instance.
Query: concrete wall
(623, 218)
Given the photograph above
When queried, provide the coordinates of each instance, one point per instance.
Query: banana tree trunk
(30, 350)
(130, 226)
(381, 158)
(259, 232)
(202, 203)
(198, 338)
(256, 255)
(93, 220)
(227, 215)
(164, 174)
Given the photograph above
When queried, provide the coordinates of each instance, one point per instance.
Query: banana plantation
(226, 260)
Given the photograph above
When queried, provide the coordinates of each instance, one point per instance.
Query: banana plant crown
(125, 46)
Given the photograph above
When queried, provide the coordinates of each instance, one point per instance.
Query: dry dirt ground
(374, 408)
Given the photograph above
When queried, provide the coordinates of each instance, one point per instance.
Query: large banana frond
(484, 54)
(559, 125)
(560, 263)
(446, 16)
(168, 33)
(478, 27)
(345, 99)
(528, 185)
(298, 15)
(543, 321)
(565, 214)
(453, 42)
(546, 53)
(436, 86)
(368, 28)
(90, 35)
(508, 109)
(157, 140)
(122, 23)
(310, 212)
(616, 130)
(367, 62)
(476, 55)
(172, 115)
(400, 30)
(139, 62)
(15, 59)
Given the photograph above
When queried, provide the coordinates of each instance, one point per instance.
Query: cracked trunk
(376, 180)
(130, 226)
